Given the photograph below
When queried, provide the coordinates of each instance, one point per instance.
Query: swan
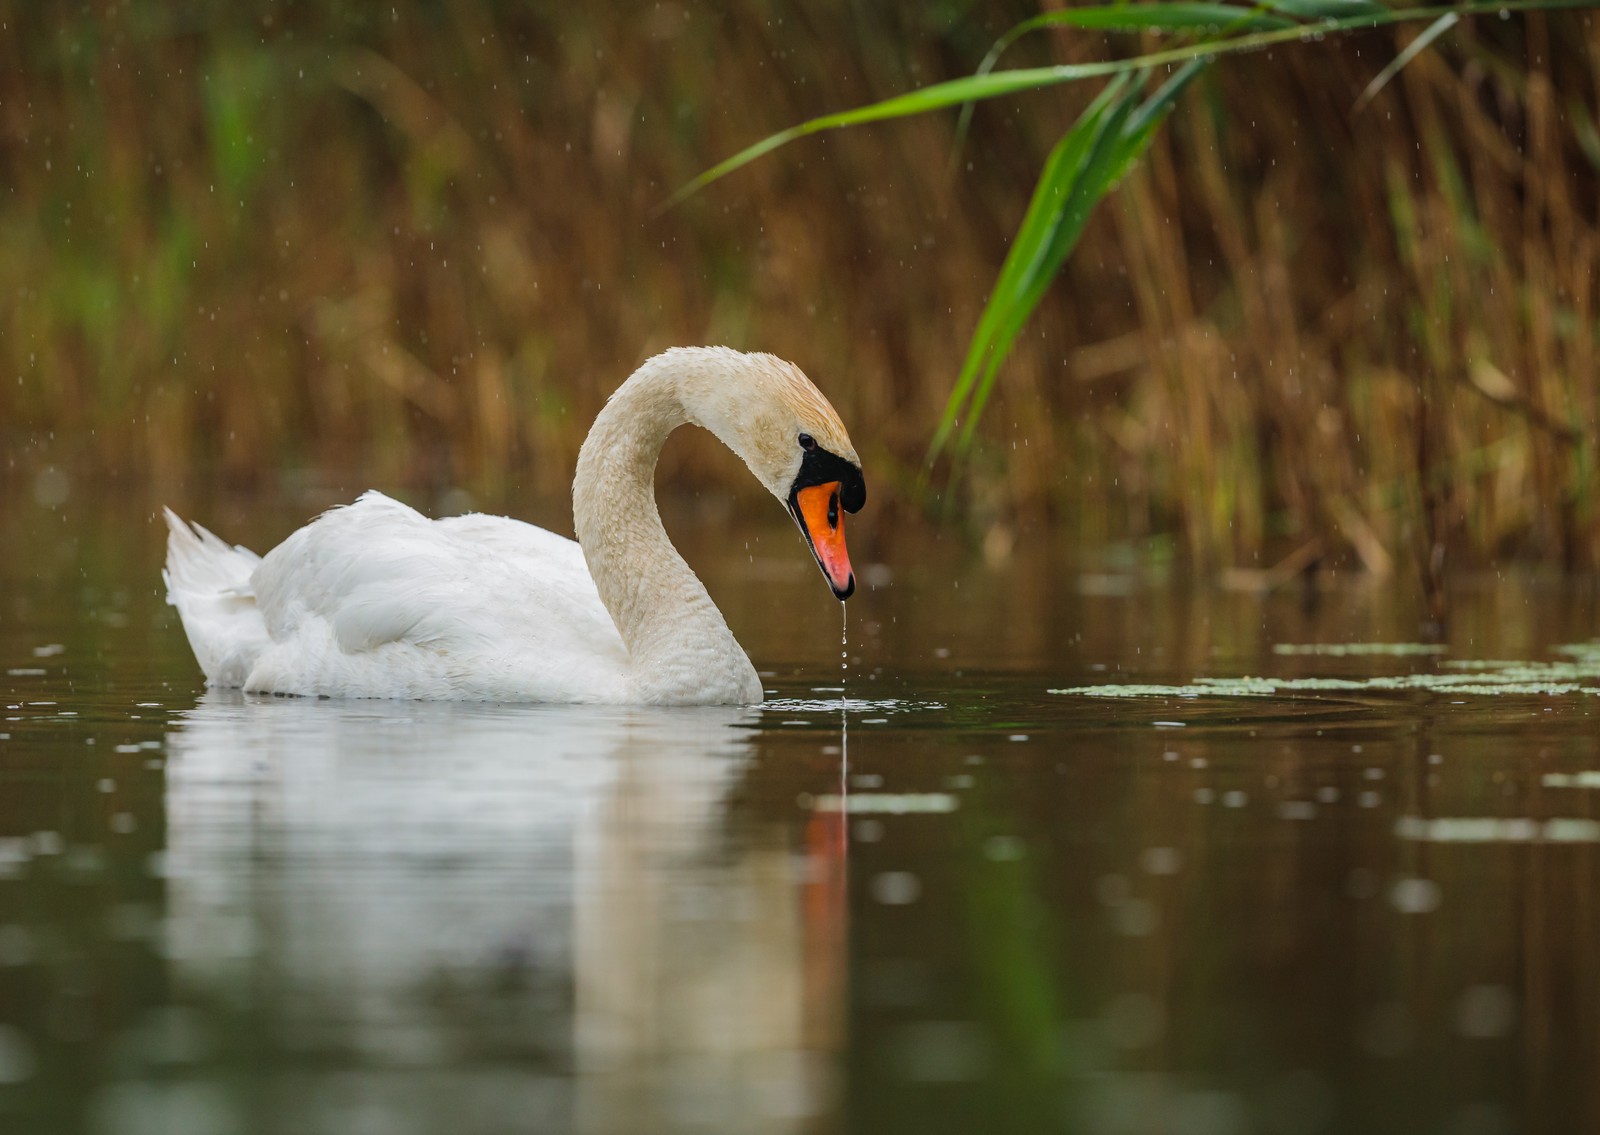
(374, 600)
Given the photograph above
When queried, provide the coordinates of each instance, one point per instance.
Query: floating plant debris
(1579, 673)
(1343, 649)
(1589, 778)
(854, 705)
(1495, 829)
(886, 803)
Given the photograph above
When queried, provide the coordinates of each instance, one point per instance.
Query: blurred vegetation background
(417, 243)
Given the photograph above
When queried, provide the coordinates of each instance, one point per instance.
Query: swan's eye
(807, 442)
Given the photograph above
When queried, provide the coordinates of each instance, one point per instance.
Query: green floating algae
(885, 803)
(1588, 778)
(1576, 673)
(1356, 649)
(1496, 829)
(854, 705)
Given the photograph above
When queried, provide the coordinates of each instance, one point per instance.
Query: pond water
(955, 902)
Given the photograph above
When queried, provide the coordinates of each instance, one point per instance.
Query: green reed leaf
(937, 97)
(1173, 17)
(1061, 169)
(1358, 15)
(1070, 201)
(1328, 9)
(1085, 166)
(1219, 20)
(1416, 47)
(1144, 124)
(1110, 136)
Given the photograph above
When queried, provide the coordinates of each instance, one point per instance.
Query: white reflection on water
(440, 917)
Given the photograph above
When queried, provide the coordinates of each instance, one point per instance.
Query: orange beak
(817, 510)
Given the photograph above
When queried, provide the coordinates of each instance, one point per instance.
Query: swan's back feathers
(368, 570)
(375, 600)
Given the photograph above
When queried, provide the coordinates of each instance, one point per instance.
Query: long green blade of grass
(940, 95)
(974, 88)
(1110, 135)
(1069, 203)
(1066, 195)
(1174, 17)
(1143, 125)
(1061, 168)
(1413, 49)
(1215, 20)
(1327, 9)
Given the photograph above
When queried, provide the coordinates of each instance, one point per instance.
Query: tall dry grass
(418, 242)
(1374, 331)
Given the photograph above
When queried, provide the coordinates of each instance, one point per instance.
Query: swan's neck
(679, 646)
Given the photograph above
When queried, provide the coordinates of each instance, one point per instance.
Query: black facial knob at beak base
(819, 467)
(853, 491)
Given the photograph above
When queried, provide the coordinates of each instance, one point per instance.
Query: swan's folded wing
(487, 605)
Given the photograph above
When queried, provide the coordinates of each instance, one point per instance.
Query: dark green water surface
(958, 903)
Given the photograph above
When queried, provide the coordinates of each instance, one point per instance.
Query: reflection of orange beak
(817, 510)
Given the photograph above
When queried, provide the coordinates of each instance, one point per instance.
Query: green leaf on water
(1356, 649)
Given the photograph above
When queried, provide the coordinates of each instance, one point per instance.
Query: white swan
(374, 600)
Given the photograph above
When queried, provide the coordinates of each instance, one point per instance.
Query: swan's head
(769, 413)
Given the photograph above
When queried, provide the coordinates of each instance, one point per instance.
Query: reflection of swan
(373, 600)
(427, 911)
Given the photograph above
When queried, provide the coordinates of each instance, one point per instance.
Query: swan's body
(375, 600)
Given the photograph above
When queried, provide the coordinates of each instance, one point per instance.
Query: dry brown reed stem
(415, 247)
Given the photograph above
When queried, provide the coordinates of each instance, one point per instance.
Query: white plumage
(375, 600)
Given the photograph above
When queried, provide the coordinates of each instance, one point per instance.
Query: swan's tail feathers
(209, 582)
